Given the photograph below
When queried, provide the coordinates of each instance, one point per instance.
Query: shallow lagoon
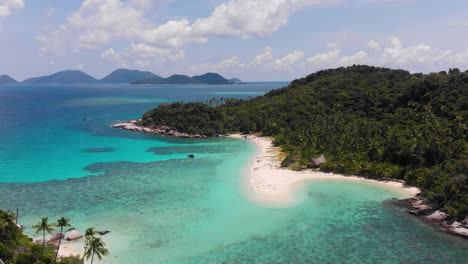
(165, 208)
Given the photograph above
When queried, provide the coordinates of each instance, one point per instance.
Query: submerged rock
(97, 150)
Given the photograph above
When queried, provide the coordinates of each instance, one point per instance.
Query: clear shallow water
(165, 208)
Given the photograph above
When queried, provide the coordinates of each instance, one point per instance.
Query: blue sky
(255, 40)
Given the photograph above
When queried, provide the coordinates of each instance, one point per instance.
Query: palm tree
(96, 247)
(89, 235)
(61, 222)
(7, 220)
(44, 226)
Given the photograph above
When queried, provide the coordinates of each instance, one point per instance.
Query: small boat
(103, 232)
(191, 156)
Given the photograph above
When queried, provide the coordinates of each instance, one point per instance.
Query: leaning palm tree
(89, 235)
(96, 247)
(61, 222)
(44, 226)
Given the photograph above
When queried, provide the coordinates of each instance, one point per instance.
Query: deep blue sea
(60, 157)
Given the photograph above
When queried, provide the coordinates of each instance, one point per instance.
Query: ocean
(60, 157)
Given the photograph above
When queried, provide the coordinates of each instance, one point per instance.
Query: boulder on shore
(73, 235)
(56, 237)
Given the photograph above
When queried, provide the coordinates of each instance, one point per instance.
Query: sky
(255, 40)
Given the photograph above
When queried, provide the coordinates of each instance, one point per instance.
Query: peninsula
(374, 122)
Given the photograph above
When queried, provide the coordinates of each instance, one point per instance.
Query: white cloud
(334, 45)
(8, 6)
(101, 22)
(324, 59)
(148, 51)
(110, 55)
(374, 45)
(359, 57)
(400, 56)
(247, 18)
(289, 60)
(264, 57)
(174, 33)
(395, 55)
(50, 11)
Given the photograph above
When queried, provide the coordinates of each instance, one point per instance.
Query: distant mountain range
(122, 76)
(5, 79)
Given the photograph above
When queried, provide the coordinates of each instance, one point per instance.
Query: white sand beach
(269, 184)
(71, 248)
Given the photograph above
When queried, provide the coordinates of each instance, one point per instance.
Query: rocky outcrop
(73, 235)
(132, 125)
(421, 208)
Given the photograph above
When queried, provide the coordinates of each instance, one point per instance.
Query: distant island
(121, 76)
(208, 78)
(174, 79)
(361, 120)
(5, 79)
(127, 76)
(70, 76)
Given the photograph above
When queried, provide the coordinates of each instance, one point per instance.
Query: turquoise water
(162, 207)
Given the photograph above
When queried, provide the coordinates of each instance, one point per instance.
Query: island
(127, 76)
(63, 77)
(174, 79)
(208, 78)
(361, 120)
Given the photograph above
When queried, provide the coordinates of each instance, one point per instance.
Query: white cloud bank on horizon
(391, 54)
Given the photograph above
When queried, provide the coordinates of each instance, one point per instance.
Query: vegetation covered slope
(369, 121)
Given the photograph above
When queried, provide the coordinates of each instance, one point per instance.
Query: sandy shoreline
(269, 184)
